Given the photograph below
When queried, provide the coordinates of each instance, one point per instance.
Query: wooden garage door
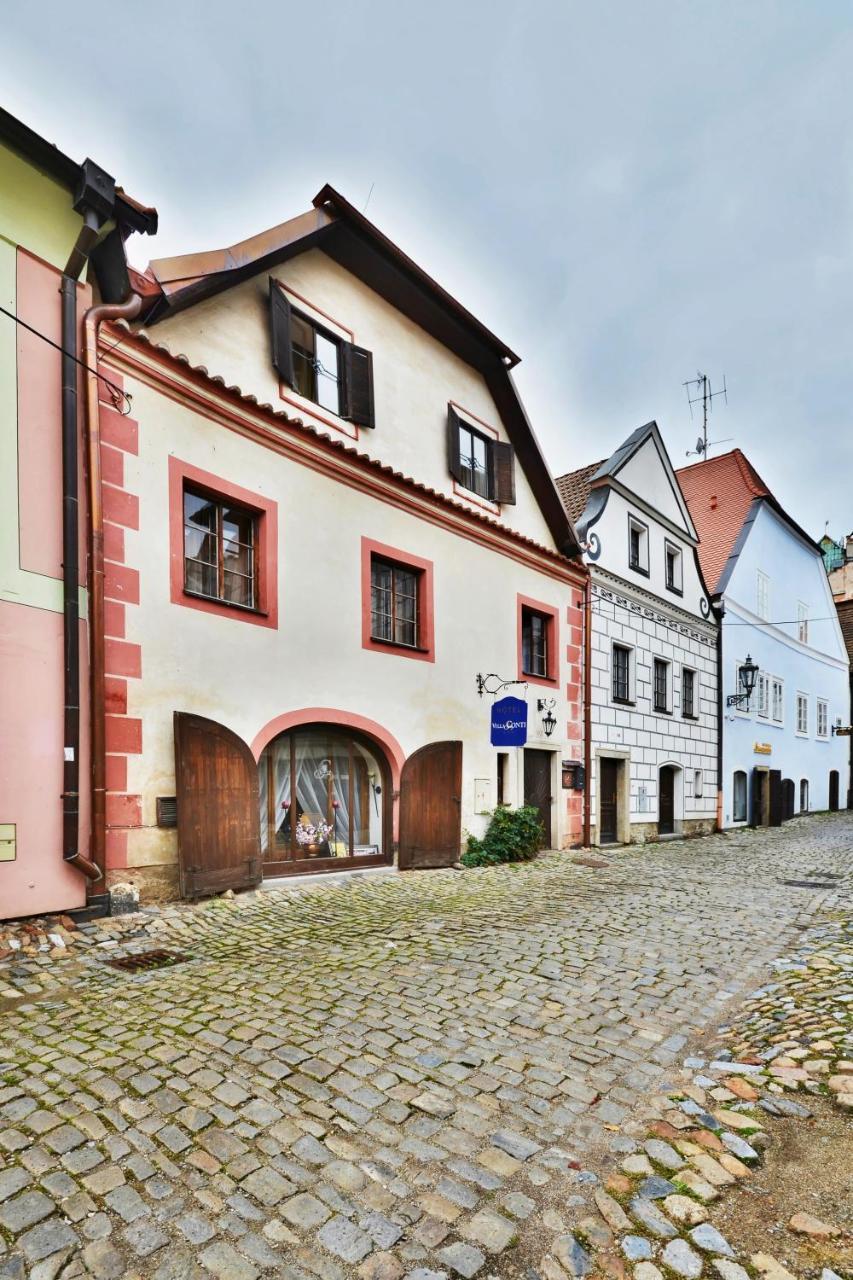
(219, 843)
(431, 806)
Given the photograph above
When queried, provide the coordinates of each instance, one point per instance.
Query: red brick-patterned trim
(122, 657)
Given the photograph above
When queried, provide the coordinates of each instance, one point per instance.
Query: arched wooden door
(431, 806)
(219, 843)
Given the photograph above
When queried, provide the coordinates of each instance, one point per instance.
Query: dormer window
(478, 462)
(318, 365)
(638, 545)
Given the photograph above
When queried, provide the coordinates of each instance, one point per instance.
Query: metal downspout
(587, 711)
(71, 852)
(92, 319)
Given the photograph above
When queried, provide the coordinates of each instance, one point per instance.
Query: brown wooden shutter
(358, 385)
(282, 342)
(502, 468)
(454, 464)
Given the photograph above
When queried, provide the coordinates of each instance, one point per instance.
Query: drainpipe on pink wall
(92, 319)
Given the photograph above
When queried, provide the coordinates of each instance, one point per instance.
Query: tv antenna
(705, 395)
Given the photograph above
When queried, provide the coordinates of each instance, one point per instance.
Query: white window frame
(642, 566)
(762, 595)
(677, 586)
(762, 695)
(822, 718)
(668, 664)
(777, 683)
(694, 715)
(801, 703)
(802, 622)
(632, 687)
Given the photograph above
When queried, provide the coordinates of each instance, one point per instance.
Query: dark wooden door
(777, 803)
(219, 842)
(666, 801)
(609, 800)
(431, 806)
(833, 790)
(537, 789)
(788, 796)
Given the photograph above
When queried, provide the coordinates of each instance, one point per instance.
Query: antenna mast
(705, 396)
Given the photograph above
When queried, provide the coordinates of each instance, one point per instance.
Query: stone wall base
(155, 884)
(647, 832)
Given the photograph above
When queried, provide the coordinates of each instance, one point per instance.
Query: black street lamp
(747, 674)
(549, 722)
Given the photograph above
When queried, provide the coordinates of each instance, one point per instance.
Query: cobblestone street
(416, 1076)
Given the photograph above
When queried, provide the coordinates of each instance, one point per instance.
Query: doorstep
(299, 882)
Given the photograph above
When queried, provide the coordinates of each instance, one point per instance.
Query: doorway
(609, 800)
(833, 790)
(537, 789)
(666, 801)
(431, 807)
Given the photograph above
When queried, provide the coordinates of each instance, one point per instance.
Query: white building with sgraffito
(653, 663)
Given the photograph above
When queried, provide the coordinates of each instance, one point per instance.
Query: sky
(627, 192)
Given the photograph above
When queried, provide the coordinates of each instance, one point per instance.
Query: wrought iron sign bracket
(483, 686)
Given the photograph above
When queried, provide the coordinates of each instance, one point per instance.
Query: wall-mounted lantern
(747, 674)
(549, 723)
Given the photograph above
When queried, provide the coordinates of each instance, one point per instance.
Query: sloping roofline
(21, 138)
(349, 238)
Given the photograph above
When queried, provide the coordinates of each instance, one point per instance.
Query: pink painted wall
(31, 763)
(39, 419)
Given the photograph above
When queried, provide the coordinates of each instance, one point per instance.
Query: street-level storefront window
(739, 797)
(324, 797)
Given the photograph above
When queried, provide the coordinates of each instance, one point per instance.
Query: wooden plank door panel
(537, 789)
(666, 802)
(219, 841)
(431, 806)
(609, 777)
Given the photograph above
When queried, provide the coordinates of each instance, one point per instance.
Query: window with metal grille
(661, 680)
(474, 460)
(621, 673)
(688, 693)
(534, 642)
(316, 363)
(394, 603)
(219, 550)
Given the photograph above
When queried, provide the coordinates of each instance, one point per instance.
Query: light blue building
(780, 632)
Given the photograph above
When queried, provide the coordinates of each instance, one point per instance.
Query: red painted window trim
(183, 473)
(426, 610)
(553, 614)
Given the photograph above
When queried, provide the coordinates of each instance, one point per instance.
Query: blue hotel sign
(509, 722)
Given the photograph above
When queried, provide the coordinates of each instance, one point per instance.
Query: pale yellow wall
(35, 211)
(244, 675)
(414, 375)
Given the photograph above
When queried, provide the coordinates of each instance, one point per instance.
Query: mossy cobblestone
(399, 1077)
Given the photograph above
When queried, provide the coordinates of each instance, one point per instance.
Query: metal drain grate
(809, 884)
(145, 960)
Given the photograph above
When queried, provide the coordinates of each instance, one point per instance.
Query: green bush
(513, 835)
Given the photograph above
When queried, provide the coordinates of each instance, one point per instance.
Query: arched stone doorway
(670, 800)
(326, 800)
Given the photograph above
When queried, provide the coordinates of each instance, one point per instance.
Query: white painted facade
(634, 610)
(313, 666)
(779, 611)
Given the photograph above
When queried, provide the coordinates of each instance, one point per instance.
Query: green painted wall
(35, 211)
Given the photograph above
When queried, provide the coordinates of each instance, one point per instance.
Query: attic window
(638, 545)
(479, 463)
(318, 365)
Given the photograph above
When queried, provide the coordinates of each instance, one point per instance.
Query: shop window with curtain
(323, 798)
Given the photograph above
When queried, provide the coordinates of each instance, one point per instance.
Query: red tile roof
(719, 493)
(574, 489)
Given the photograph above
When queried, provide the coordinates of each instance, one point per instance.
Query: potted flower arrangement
(313, 837)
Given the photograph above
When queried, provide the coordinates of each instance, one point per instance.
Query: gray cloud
(625, 192)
